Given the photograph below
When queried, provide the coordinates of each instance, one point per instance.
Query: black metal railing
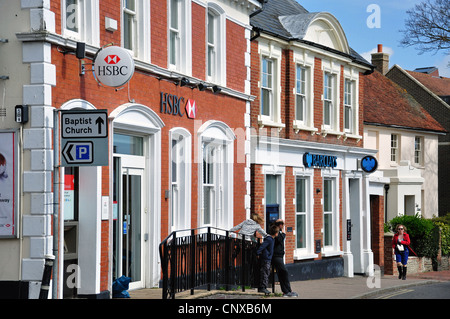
(207, 258)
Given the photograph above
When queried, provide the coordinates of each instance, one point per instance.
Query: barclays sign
(321, 161)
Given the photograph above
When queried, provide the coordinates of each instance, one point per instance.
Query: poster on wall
(8, 185)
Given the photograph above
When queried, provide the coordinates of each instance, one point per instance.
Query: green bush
(445, 237)
(423, 233)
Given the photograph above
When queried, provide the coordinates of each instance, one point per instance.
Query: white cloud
(367, 55)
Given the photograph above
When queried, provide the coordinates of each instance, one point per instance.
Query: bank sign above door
(113, 66)
(172, 104)
(322, 161)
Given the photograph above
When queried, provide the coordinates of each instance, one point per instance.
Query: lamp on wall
(216, 89)
(184, 81)
(201, 86)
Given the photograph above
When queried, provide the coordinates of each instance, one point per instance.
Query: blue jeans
(402, 256)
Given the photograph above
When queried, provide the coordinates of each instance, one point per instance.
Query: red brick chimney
(381, 60)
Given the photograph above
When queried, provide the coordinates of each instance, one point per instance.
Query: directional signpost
(84, 138)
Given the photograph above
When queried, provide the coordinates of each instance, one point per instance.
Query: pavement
(357, 287)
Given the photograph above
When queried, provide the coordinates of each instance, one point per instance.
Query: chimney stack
(381, 60)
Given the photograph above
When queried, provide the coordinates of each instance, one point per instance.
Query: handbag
(400, 247)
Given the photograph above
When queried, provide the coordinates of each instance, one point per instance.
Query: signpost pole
(55, 202)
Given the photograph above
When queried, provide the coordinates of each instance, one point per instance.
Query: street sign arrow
(99, 121)
(78, 152)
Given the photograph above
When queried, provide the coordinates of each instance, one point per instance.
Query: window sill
(353, 136)
(304, 256)
(298, 126)
(332, 253)
(264, 122)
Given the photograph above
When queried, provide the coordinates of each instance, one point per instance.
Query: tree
(428, 26)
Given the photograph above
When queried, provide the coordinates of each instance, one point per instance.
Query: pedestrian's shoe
(404, 273)
(264, 291)
(290, 294)
(400, 272)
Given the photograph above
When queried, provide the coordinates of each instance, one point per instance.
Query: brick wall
(377, 229)
(145, 89)
(287, 101)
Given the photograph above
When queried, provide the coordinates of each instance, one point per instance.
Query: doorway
(129, 219)
(355, 215)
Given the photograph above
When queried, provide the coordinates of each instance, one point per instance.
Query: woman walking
(400, 244)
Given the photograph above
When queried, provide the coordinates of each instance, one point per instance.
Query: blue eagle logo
(369, 164)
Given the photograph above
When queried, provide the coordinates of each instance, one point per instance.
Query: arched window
(216, 159)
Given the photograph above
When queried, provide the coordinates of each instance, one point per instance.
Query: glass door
(128, 223)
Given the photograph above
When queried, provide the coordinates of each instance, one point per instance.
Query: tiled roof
(439, 85)
(388, 104)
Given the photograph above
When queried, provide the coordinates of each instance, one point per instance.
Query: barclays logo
(314, 160)
(369, 164)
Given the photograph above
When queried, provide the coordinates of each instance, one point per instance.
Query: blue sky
(353, 16)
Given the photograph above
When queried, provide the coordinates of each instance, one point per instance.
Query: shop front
(322, 193)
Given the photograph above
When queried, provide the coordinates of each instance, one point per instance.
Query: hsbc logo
(172, 104)
(113, 66)
(112, 59)
(191, 109)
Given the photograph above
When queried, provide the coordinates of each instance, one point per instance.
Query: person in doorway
(265, 253)
(278, 261)
(250, 226)
(400, 244)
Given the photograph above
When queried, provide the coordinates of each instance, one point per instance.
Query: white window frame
(140, 33)
(268, 50)
(329, 102)
(334, 248)
(301, 94)
(305, 60)
(180, 183)
(87, 14)
(395, 148)
(308, 251)
(218, 136)
(267, 85)
(281, 173)
(418, 150)
(333, 70)
(217, 73)
(351, 75)
(183, 47)
(348, 105)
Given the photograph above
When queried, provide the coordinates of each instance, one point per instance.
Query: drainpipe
(386, 188)
(256, 30)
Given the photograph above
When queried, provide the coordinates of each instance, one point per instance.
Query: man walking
(278, 262)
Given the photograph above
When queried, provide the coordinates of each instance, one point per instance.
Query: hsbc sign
(172, 104)
(113, 66)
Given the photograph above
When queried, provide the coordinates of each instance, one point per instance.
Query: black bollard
(46, 277)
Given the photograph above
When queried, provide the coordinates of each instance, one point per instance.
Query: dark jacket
(278, 249)
(266, 248)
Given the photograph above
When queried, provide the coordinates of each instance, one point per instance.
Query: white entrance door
(129, 219)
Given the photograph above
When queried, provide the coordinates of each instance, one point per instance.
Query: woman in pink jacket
(400, 244)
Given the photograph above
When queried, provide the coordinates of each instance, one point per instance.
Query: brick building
(178, 136)
(307, 141)
(432, 92)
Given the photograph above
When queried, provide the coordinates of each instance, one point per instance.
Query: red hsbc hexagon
(112, 59)
(191, 109)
